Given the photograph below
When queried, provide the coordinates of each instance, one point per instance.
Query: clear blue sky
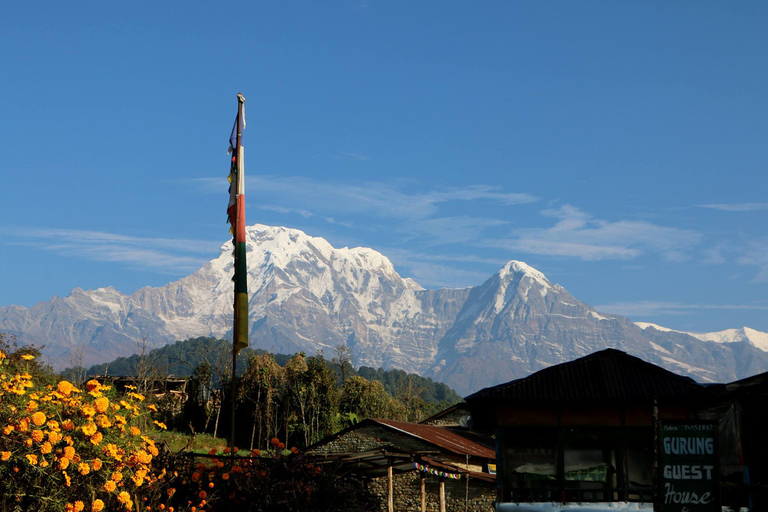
(618, 147)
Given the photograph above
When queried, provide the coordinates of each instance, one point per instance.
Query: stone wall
(367, 438)
(407, 494)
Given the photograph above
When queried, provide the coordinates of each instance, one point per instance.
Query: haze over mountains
(307, 295)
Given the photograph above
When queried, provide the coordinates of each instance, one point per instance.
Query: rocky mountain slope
(307, 295)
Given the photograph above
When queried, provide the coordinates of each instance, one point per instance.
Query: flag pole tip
(240, 97)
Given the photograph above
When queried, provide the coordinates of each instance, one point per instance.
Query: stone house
(416, 467)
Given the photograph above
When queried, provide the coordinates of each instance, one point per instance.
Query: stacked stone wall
(407, 494)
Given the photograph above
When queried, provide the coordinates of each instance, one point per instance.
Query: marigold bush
(62, 447)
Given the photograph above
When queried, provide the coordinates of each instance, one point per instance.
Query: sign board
(688, 467)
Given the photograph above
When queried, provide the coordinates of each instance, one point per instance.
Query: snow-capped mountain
(755, 338)
(307, 295)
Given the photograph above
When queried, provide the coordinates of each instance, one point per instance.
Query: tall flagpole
(236, 213)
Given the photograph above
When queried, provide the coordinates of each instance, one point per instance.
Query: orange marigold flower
(275, 441)
(123, 497)
(8, 429)
(23, 425)
(103, 421)
(280, 446)
(96, 464)
(202, 495)
(27, 357)
(92, 385)
(39, 418)
(67, 480)
(96, 438)
(63, 463)
(69, 507)
(67, 425)
(116, 476)
(5, 456)
(210, 485)
(37, 435)
(88, 411)
(89, 429)
(32, 459)
(83, 468)
(294, 450)
(31, 406)
(54, 437)
(110, 486)
(101, 404)
(79, 506)
(152, 407)
(135, 431)
(225, 476)
(69, 452)
(97, 506)
(64, 387)
(46, 448)
(53, 425)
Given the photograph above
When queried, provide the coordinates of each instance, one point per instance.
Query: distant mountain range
(307, 295)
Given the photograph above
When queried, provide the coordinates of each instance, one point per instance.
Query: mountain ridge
(306, 295)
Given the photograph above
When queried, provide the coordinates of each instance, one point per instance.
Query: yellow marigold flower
(136, 396)
(96, 464)
(67, 425)
(46, 448)
(120, 419)
(161, 425)
(27, 357)
(64, 387)
(32, 459)
(5, 456)
(102, 421)
(69, 452)
(96, 438)
(23, 425)
(63, 463)
(87, 411)
(84, 468)
(28, 443)
(31, 406)
(152, 407)
(39, 418)
(153, 450)
(97, 506)
(37, 435)
(110, 449)
(123, 497)
(135, 431)
(101, 404)
(89, 429)
(143, 457)
(110, 486)
(116, 476)
(43, 463)
(79, 506)
(137, 480)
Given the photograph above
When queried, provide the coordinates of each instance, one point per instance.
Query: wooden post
(390, 484)
(423, 492)
(442, 495)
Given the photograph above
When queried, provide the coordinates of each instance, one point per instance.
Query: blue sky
(618, 147)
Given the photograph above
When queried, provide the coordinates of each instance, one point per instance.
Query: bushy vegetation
(298, 398)
(73, 447)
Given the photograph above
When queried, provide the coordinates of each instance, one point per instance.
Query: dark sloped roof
(442, 437)
(607, 375)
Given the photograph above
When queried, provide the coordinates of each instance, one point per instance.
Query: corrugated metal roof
(607, 375)
(442, 437)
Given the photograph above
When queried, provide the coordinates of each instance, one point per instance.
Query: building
(416, 467)
(606, 430)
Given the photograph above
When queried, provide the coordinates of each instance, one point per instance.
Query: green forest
(296, 398)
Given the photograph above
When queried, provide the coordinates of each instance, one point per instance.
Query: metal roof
(446, 438)
(607, 375)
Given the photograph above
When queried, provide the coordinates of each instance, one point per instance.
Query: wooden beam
(390, 497)
(442, 495)
(423, 492)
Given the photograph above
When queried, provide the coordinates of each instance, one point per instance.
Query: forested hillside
(297, 398)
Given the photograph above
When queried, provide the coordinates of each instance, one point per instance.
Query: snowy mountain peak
(514, 267)
(756, 338)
